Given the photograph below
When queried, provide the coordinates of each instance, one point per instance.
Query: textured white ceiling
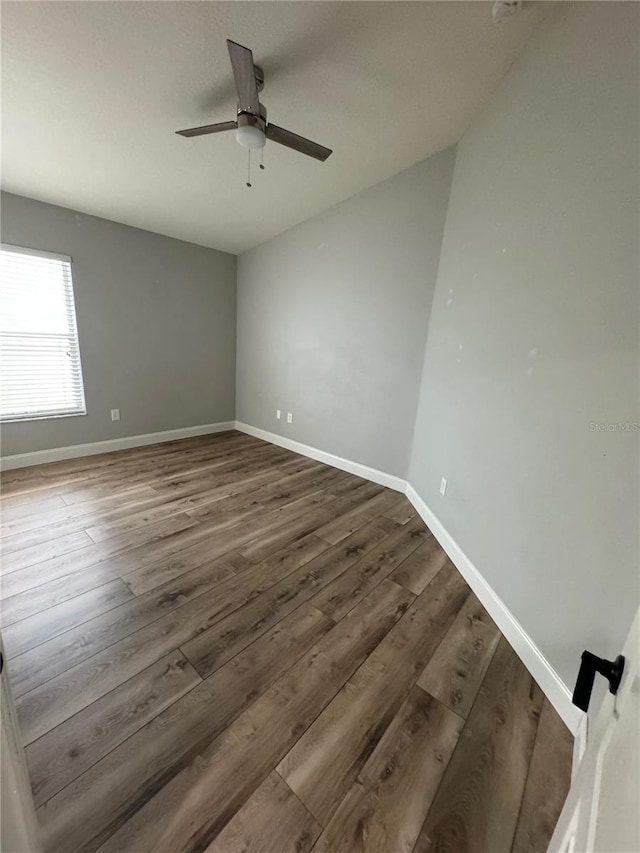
(92, 93)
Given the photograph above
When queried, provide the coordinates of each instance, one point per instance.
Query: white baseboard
(73, 451)
(547, 678)
(373, 474)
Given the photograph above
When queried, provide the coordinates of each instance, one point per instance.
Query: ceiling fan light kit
(250, 131)
(251, 127)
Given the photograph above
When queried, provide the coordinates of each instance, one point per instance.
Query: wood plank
(280, 531)
(348, 522)
(56, 619)
(402, 512)
(345, 480)
(154, 459)
(145, 568)
(98, 557)
(280, 503)
(456, 670)
(83, 503)
(354, 491)
(67, 651)
(477, 804)
(421, 567)
(174, 568)
(85, 663)
(271, 495)
(216, 474)
(385, 809)
(346, 483)
(203, 464)
(13, 560)
(44, 487)
(26, 520)
(211, 649)
(128, 512)
(153, 574)
(27, 504)
(424, 732)
(347, 831)
(104, 462)
(273, 820)
(249, 748)
(90, 809)
(64, 753)
(292, 556)
(133, 521)
(15, 484)
(342, 594)
(45, 480)
(263, 546)
(188, 480)
(547, 784)
(325, 762)
(57, 474)
(187, 565)
(285, 478)
(352, 498)
(234, 480)
(49, 594)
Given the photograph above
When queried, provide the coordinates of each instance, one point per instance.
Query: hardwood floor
(218, 645)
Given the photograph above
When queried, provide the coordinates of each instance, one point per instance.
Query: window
(40, 372)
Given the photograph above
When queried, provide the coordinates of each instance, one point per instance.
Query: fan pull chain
(262, 157)
(249, 169)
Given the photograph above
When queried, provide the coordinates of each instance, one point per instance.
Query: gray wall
(156, 323)
(534, 336)
(332, 318)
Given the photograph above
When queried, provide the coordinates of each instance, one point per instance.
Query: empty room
(319, 426)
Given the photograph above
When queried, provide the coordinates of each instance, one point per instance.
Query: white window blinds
(40, 372)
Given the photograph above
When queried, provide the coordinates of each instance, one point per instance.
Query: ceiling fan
(251, 127)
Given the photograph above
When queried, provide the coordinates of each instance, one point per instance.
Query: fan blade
(298, 143)
(208, 128)
(245, 77)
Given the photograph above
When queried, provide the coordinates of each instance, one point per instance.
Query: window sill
(17, 420)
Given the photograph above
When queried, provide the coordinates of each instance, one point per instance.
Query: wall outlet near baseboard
(289, 418)
(115, 414)
(278, 414)
(443, 486)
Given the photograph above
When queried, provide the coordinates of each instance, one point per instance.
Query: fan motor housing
(245, 118)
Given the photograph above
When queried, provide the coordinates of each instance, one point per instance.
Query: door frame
(20, 832)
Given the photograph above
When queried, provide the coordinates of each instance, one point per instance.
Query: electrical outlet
(115, 414)
(443, 486)
(278, 414)
(289, 418)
